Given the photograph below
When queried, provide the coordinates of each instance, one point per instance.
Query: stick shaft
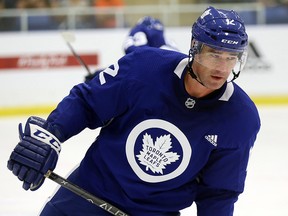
(84, 194)
(79, 59)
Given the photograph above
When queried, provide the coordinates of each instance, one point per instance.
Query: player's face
(213, 67)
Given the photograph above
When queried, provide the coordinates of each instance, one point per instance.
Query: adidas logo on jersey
(212, 139)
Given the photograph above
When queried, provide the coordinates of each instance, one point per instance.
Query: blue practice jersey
(159, 149)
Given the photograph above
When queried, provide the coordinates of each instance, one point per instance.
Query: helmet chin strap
(235, 75)
(190, 70)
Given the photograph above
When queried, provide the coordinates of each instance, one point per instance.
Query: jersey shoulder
(242, 99)
(151, 59)
(237, 115)
(245, 110)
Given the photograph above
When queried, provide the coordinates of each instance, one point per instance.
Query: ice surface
(266, 191)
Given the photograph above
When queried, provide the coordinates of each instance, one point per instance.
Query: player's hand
(35, 154)
(89, 77)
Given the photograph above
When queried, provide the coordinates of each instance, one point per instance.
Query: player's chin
(215, 83)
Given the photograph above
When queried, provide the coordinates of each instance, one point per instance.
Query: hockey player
(175, 129)
(148, 32)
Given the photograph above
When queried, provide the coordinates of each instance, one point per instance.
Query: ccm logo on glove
(40, 134)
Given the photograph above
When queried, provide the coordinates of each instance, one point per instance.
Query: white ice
(266, 191)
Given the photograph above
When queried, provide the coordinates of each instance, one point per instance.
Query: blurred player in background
(175, 129)
(148, 32)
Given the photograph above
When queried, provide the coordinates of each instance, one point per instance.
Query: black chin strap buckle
(235, 75)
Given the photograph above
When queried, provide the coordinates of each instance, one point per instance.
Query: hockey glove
(89, 77)
(35, 154)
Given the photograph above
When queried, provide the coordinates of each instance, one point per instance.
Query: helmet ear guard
(195, 47)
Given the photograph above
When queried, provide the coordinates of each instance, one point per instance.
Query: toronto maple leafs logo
(157, 150)
(155, 156)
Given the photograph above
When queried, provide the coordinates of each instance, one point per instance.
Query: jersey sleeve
(110, 93)
(93, 104)
(221, 181)
(223, 177)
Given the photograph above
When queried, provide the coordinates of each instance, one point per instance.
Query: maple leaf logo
(156, 156)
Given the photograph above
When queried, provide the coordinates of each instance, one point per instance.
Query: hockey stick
(69, 38)
(84, 194)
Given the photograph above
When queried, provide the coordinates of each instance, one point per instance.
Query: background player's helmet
(221, 30)
(148, 31)
(150, 22)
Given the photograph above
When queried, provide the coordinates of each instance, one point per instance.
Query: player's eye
(213, 55)
(232, 58)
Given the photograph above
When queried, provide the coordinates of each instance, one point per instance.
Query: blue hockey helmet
(221, 29)
(151, 22)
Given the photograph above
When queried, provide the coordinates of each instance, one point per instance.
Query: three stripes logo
(212, 139)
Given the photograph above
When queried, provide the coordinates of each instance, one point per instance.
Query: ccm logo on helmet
(229, 41)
